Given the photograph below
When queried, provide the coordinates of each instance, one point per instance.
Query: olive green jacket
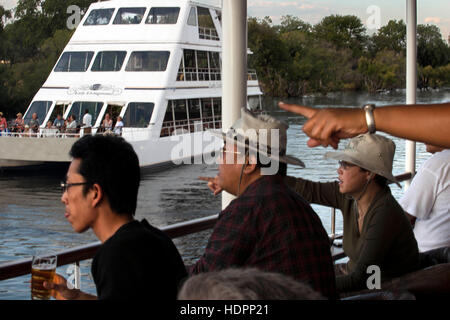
(386, 239)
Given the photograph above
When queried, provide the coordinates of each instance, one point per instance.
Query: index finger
(305, 111)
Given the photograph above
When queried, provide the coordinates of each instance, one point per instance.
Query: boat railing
(177, 127)
(75, 133)
(208, 33)
(19, 268)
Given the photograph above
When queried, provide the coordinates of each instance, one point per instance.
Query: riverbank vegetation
(293, 58)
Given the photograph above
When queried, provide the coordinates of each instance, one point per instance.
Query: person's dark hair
(86, 111)
(112, 163)
(245, 284)
(380, 180)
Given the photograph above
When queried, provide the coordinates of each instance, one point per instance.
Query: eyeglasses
(345, 165)
(65, 186)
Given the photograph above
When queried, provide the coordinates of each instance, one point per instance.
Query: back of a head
(245, 284)
(111, 162)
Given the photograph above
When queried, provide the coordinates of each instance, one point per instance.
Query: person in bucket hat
(268, 225)
(376, 231)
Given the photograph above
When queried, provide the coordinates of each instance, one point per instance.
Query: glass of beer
(43, 268)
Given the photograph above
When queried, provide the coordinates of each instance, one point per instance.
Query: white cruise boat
(155, 63)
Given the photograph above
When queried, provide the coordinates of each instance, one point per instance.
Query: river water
(32, 215)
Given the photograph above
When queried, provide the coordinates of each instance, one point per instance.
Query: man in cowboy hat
(376, 232)
(268, 226)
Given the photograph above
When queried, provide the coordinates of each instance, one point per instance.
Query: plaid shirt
(274, 229)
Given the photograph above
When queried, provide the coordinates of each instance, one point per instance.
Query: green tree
(290, 23)
(343, 32)
(269, 54)
(4, 15)
(385, 71)
(431, 48)
(391, 37)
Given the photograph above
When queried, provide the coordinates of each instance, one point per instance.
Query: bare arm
(424, 123)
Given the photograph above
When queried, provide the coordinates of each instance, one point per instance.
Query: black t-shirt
(138, 262)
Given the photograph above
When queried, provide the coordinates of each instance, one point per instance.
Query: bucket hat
(372, 152)
(255, 133)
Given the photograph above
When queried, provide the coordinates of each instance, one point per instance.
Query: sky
(373, 13)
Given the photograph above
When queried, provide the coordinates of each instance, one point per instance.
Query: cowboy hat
(372, 152)
(255, 133)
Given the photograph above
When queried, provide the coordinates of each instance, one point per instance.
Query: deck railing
(74, 255)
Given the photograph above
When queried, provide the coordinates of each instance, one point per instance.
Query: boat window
(195, 117)
(79, 107)
(179, 108)
(41, 108)
(214, 63)
(163, 16)
(99, 17)
(60, 108)
(206, 28)
(148, 61)
(108, 61)
(199, 65)
(129, 16)
(76, 61)
(203, 67)
(207, 114)
(192, 20)
(190, 65)
(138, 114)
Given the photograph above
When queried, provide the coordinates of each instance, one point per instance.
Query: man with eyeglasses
(268, 226)
(136, 260)
(376, 232)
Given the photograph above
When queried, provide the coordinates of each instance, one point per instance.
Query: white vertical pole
(411, 78)
(234, 66)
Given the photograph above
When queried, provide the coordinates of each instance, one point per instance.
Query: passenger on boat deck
(72, 124)
(268, 226)
(135, 261)
(430, 212)
(245, 284)
(59, 122)
(107, 122)
(87, 119)
(118, 127)
(34, 123)
(3, 123)
(87, 122)
(418, 122)
(376, 231)
(19, 124)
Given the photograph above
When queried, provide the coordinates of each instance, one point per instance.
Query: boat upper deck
(156, 21)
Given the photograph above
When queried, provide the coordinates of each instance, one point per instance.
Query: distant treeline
(296, 58)
(291, 59)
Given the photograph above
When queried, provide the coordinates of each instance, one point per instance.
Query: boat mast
(411, 79)
(234, 69)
